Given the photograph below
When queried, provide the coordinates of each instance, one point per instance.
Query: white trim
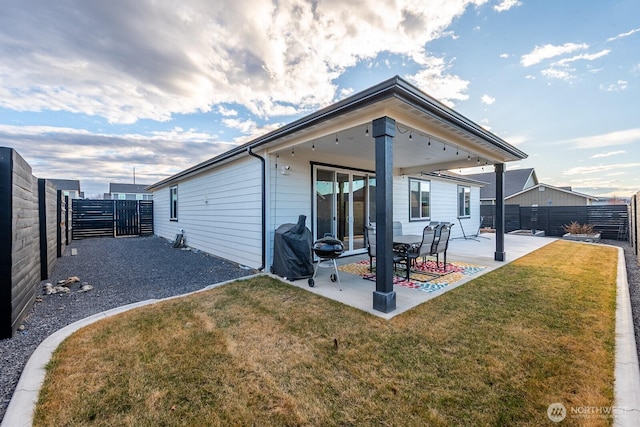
(574, 193)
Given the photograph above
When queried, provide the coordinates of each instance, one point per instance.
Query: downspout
(264, 208)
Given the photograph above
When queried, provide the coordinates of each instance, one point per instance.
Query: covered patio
(387, 133)
(356, 291)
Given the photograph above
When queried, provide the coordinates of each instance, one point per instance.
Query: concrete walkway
(358, 293)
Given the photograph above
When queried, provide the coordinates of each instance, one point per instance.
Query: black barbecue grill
(327, 249)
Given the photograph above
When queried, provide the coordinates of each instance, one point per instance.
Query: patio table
(408, 239)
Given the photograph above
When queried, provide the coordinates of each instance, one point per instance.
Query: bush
(575, 228)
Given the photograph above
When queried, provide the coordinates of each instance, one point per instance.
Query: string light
(468, 157)
(457, 153)
(429, 143)
(366, 132)
(336, 139)
(293, 153)
(444, 147)
(313, 146)
(410, 136)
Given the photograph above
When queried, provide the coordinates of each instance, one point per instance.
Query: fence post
(42, 217)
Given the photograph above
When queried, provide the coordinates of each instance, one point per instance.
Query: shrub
(575, 228)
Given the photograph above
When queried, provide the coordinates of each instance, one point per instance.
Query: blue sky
(90, 90)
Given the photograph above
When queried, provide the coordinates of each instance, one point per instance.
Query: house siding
(548, 197)
(219, 211)
(444, 207)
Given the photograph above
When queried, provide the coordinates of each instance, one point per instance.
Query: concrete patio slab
(357, 292)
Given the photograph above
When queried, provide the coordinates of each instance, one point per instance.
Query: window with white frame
(122, 196)
(173, 206)
(464, 201)
(419, 199)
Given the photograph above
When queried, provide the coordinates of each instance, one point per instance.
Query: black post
(58, 222)
(6, 209)
(384, 297)
(42, 216)
(499, 254)
(66, 220)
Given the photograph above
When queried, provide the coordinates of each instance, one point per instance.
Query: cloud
(548, 51)
(620, 137)
(505, 5)
(583, 170)
(614, 87)
(554, 73)
(227, 112)
(608, 154)
(97, 159)
(486, 99)
(127, 61)
(623, 35)
(504, 55)
(585, 56)
(435, 80)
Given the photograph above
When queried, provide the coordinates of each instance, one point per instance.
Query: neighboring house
(548, 195)
(372, 157)
(69, 187)
(515, 181)
(128, 192)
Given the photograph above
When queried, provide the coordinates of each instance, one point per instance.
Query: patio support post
(500, 253)
(384, 297)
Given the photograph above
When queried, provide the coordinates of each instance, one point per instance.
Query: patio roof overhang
(430, 136)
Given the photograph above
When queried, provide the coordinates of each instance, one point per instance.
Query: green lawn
(496, 351)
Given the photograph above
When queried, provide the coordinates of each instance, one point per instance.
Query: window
(139, 197)
(173, 203)
(122, 196)
(419, 199)
(464, 201)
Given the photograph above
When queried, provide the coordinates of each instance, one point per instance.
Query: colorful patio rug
(454, 272)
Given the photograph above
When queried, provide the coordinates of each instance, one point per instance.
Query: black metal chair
(370, 242)
(442, 244)
(422, 250)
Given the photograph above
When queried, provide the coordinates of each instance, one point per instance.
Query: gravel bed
(121, 271)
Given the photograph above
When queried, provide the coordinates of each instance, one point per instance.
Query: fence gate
(109, 218)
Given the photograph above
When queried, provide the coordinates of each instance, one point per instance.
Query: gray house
(515, 181)
(69, 187)
(548, 195)
(128, 192)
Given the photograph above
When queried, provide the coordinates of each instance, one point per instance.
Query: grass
(496, 351)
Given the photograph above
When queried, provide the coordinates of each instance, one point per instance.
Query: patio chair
(422, 250)
(370, 242)
(441, 244)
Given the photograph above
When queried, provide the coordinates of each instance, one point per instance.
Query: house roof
(66, 184)
(128, 188)
(561, 189)
(514, 182)
(394, 97)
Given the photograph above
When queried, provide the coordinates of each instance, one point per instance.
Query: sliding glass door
(342, 205)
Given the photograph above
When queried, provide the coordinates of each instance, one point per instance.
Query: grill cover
(292, 251)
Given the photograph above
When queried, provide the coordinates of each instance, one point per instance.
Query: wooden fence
(612, 221)
(634, 224)
(111, 218)
(32, 227)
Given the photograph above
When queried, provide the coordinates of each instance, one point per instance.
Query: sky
(93, 90)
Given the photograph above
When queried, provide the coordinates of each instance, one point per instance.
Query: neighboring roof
(66, 184)
(394, 88)
(514, 182)
(574, 193)
(128, 188)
